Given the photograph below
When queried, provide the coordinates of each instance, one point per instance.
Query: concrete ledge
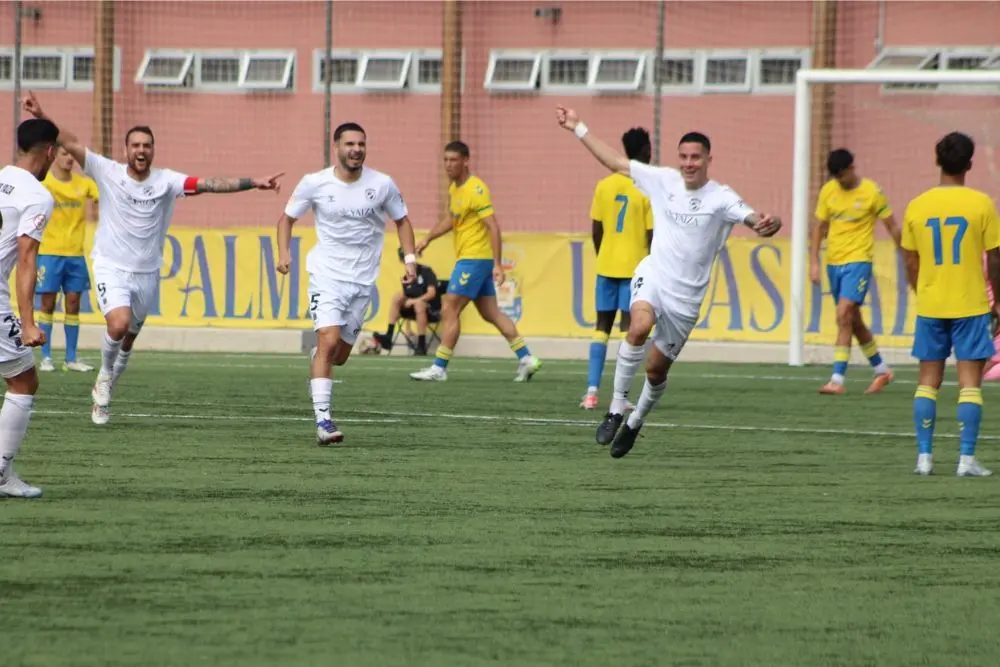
(290, 341)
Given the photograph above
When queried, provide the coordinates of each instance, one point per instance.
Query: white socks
(14, 417)
(651, 394)
(120, 363)
(629, 359)
(321, 390)
(109, 355)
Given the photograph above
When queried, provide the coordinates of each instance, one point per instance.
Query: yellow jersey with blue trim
(470, 204)
(950, 227)
(67, 230)
(851, 215)
(625, 216)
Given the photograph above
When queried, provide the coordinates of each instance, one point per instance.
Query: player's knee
(419, 306)
(656, 370)
(118, 324)
(24, 384)
(845, 315)
(326, 340)
(341, 354)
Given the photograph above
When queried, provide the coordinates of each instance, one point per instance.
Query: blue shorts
(613, 294)
(57, 273)
(472, 278)
(850, 281)
(933, 338)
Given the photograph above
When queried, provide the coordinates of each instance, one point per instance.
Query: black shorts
(409, 314)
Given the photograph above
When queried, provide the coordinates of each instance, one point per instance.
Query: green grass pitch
(475, 522)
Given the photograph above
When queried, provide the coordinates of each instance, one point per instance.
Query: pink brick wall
(541, 179)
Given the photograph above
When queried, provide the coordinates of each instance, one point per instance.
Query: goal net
(890, 119)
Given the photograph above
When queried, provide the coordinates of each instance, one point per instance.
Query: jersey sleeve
(908, 240)
(648, 178)
(181, 185)
(394, 205)
(991, 225)
(96, 166)
(882, 208)
(734, 208)
(482, 203)
(301, 200)
(35, 216)
(596, 208)
(822, 211)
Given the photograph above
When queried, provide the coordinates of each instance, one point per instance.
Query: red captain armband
(191, 185)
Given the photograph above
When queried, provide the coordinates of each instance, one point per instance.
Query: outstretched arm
(604, 153)
(439, 230)
(225, 185)
(66, 139)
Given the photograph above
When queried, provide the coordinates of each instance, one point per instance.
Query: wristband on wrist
(410, 259)
(580, 130)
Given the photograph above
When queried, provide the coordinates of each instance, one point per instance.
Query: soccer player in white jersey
(350, 203)
(137, 207)
(25, 208)
(692, 218)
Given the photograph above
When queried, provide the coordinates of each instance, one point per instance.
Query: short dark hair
(637, 144)
(36, 132)
(696, 138)
(459, 147)
(144, 129)
(347, 127)
(954, 153)
(838, 161)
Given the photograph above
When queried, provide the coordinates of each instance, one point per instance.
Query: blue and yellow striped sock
(924, 414)
(970, 415)
(442, 357)
(72, 327)
(598, 354)
(875, 357)
(841, 355)
(45, 324)
(519, 348)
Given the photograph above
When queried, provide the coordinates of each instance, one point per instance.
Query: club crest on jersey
(695, 204)
(148, 191)
(370, 194)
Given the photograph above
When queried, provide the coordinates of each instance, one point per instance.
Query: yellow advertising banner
(227, 278)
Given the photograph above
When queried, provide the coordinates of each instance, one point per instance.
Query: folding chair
(433, 321)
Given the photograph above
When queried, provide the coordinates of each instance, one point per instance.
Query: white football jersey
(350, 222)
(134, 215)
(25, 208)
(690, 228)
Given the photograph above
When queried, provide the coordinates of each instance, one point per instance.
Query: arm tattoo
(225, 184)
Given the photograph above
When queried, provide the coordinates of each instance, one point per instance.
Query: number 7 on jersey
(623, 200)
(956, 246)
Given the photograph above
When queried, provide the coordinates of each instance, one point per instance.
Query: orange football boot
(832, 389)
(879, 383)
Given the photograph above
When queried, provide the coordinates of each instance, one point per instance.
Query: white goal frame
(801, 168)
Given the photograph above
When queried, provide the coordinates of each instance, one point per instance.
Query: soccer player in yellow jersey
(623, 229)
(946, 230)
(478, 251)
(61, 262)
(847, 207)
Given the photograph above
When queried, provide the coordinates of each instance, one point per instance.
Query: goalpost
(917, 83)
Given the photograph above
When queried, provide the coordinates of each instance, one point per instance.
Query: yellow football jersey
(626, 215)
(469, 204)
(950, 227)
(66, 231)
(852, 215)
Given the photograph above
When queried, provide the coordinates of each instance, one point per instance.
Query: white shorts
(117, 288)
(15, 358)
(337, 303)
(674, 321)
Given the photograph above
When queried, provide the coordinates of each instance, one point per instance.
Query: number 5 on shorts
(102, 293)
(313, 305)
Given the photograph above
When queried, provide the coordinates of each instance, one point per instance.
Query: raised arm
(218, 184)
(604, 153)
(66, 138)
